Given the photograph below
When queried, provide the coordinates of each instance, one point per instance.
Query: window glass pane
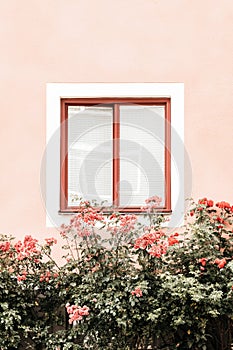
(89, 153)
(142, 154)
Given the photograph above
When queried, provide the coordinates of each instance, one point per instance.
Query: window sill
(119, 210)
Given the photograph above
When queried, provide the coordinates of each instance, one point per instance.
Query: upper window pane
(90, 153)
(142, 154)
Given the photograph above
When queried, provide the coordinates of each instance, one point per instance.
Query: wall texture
(45, 41)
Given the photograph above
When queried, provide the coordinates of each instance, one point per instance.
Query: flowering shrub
(127, 282)
(27, 282)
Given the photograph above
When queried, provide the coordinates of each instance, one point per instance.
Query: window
(52, 163)
(115, 150)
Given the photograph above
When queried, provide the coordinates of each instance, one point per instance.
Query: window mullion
(64, 156)
(116, 154)
(168, 155)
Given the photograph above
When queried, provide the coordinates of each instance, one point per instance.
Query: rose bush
(28, 293)
(127, 282)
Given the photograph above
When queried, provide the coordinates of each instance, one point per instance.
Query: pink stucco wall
(45, 41)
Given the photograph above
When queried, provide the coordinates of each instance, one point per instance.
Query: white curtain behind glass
(142, 155)
(89, 153)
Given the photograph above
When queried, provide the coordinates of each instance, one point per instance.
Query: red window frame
(115, 102)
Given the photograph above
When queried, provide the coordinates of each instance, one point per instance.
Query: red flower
(172, 240)
(203, 261)
(220, 220)
(223, 205)
(210, 203)
(203, 201)
(220, 262)
(207, 202)
(113, 216)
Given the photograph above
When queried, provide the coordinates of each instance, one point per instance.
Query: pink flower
(127, 222)
(27, 248)
(51, 241)
(5, 246)
(152, 203)
(18, 246)
(157, 250)
(82, 223)
(22, 277)
(137, 292)
(154, 199)
(121, 223)
(83, 311)
(45, 277)
(76, 312)
(151, 236)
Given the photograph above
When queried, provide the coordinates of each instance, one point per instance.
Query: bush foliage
(126, 283)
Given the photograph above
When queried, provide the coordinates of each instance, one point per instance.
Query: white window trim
(56, 91)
